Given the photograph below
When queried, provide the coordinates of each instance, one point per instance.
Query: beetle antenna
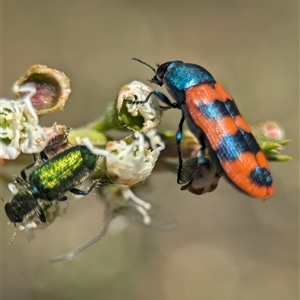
(142, 62)
(14, 235)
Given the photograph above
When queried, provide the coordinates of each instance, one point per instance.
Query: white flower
(19, 129)
(131, 163)
(150, 110)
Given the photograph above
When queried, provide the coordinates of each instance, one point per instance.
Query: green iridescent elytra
(63, 172)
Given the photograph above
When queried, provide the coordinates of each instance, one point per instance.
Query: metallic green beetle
(50, 181)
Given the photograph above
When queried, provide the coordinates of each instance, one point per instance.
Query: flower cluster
(19, 128)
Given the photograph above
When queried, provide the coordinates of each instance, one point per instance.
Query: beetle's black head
(162, 70)
(13, 214)
(21, 205)
(160, 73)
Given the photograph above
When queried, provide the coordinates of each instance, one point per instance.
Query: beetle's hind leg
(84, 193)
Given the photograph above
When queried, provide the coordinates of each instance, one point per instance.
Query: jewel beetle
(51, 181)
(213, 117)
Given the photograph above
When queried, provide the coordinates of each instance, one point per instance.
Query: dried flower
(57, 139)
(52, 88)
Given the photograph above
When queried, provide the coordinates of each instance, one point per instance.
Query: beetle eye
(160, 75)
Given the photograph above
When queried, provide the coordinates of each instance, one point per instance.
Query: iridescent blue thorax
(184, 75)
(180, 76)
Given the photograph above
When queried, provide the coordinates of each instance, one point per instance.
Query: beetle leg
(40, 213)
(21, 182)
(84, 193)
(164, 99)
(131, 101)
(23, 172)
(178, 140)
(44, 156)
(62, 198)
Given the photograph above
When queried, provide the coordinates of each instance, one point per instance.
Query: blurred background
(225, 245)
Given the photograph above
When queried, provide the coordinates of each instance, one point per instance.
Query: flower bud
(270, 137)
(267, 130)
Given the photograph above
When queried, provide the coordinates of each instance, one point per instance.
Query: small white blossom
(150, 111)
(130, 164)
(19, 129)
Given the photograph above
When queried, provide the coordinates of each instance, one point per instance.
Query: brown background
(226, 245)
